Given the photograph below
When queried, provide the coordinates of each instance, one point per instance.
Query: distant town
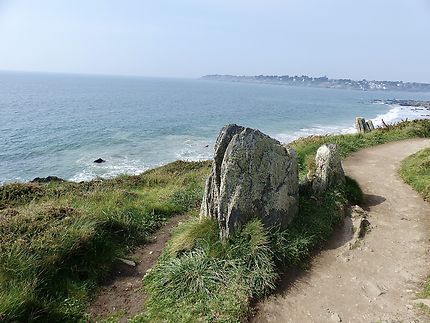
(325, 82)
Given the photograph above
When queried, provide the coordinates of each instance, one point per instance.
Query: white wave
(199, 148)
(398, 113)
(312, 131)
(195, 149)
(111, 168)
(395, 114)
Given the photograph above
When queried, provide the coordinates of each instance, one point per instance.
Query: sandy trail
(377, 281)
(122, 292)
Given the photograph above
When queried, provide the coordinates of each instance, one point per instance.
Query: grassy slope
(199, 278)
(58, 240)
(415, 170)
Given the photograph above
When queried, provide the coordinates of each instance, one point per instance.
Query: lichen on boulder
(253, 175)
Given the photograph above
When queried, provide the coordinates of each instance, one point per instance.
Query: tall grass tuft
(210, 280)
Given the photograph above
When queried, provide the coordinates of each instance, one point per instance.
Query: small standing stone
(360, 125)
(370, 125)
(329, 171)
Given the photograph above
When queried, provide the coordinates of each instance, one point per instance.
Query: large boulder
(329, 171)
(253, 175)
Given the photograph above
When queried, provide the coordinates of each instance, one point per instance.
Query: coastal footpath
(377, 280)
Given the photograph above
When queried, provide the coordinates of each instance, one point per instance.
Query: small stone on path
(335, 317)
(127, 262)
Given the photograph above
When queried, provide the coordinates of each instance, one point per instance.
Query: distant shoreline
(323, 82)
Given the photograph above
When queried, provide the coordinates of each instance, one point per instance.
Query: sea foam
(395, 113)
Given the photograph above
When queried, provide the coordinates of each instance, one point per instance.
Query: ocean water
(53, 124)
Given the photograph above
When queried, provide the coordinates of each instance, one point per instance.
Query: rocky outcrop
(252, 175)
(360, 125)
(360, 225)
(47, 179)
(329, 171)
(363, 126)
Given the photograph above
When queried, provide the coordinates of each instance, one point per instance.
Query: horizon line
(187, 77)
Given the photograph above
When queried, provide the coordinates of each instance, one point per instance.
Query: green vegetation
(415, 170)
(57, 240)
(307, 147)
(200, 278)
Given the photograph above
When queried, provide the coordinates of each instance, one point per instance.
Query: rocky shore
(406, 103)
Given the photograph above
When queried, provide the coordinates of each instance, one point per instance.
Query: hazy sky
(373, 39)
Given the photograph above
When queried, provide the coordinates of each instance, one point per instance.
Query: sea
(58, 124)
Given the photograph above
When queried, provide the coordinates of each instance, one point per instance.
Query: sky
(372, 39)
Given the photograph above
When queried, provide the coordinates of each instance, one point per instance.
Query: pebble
(335, 317)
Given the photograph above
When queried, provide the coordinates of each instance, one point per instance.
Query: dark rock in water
(47, 179)
(252, 175)
(99, 161)
(409, 103)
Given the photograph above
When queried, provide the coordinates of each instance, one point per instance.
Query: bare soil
(122, 292)
(378, 280)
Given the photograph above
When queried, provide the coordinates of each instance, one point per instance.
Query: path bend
(378, 281)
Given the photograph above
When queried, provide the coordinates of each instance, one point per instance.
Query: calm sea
(52, 124)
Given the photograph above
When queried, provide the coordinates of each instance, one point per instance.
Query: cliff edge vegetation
(59, 240)
(200, 278)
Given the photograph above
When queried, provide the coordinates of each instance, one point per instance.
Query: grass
(415, 170)
(58, 240)
(348, 143)
(198, 278)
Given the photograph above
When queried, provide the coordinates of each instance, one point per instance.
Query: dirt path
(377, 281)
(122, 294)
